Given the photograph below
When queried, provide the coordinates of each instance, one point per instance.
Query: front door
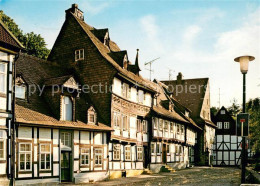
(146, 157)
(65, 166)
(164, 153)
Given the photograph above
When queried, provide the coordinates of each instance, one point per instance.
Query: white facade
(6, 65)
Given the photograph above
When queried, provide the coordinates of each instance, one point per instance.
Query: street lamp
(244, 61)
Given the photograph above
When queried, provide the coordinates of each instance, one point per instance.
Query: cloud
(95, 9)
(191, 33)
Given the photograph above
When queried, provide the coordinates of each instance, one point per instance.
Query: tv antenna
(150, 66)
(170, 73)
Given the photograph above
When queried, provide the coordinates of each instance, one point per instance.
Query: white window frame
(168, 150)
(4, 73)
(2, 140)
(116, 120)
(98, 157)
(145, 126)
(158, 148)
(45, 153)
(155, 123)
(124, 122)
(226, 125)
(84, 156)
(139, 125)
(128, 153)
(25, 153)
(166, 126)
(78, 56)
(116, 151)
(64, 110)
(219, 125)
(160, 124)
(140, 96)
(139, 153)
(68, 139)
(222, 112)
(153, 148)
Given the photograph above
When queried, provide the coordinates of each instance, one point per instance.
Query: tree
(253, 108)
(234, 109)
(34, 44)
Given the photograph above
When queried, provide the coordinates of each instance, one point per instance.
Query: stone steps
(147, 171)
(166, 168)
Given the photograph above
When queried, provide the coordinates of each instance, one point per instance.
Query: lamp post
(244, 61)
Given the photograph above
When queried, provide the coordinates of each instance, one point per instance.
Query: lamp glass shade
(244, 64)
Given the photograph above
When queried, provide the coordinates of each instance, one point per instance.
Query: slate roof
(7, 37)
(176, 113)
(35, 110)
(104, 51)
(57, 80)
(191, 100)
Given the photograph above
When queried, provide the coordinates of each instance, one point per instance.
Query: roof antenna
(170, 73)
(150, 66)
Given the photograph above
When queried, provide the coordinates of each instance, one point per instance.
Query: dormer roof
(65, 81)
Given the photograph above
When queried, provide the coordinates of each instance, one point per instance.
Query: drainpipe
(13, 122)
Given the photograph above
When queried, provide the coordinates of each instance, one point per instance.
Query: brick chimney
(76, 11)
(179, 78)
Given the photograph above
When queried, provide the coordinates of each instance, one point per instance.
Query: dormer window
(92, 115)
(20, 91)
(222, 112)
(79, 54)
(106, 40)
(67, 108)
(125, 62)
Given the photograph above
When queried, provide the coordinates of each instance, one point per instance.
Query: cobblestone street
(193, 176)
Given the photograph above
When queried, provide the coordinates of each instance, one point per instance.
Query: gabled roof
(35, 110)
(118, 56)
(176, 113)
(190, 99)
(7, 37)
(104, 51)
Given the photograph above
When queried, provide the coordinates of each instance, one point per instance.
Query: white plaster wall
(127, 165)
(132, 127)
(76, 151)
(148, 99)
(45, 134)
(84, 137)
(55, 136)
(2, 103)
(2, 121)
(76, 136)
(76, 165)
(125, 134)
(133, 94)
(98, 138)
(25, 133)
(55, 153)
(116, 165)
(3, 168)
(139, 165)
(117, 132)
(44, 174)
(4, 56)
(56, 169)
(116, 86)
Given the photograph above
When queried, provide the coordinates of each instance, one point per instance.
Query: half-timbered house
(122, 97)
(58, 135)
(9, 48)
(195, 95)
(227, 145)
(172, 133)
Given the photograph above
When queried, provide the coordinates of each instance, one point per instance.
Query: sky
(198, 38)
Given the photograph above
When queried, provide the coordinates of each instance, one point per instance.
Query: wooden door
(164, 154)
(65, 166)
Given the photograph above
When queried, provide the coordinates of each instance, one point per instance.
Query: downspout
(13, 121)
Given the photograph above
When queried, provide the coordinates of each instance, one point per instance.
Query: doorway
(164, 154)
(65, 166)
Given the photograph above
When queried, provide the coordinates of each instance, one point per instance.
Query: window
(166, 126)
(222, 112)
(160, 124)
(116, 120)
(226, 125)
(177, 150)
(168, 149)
(219, 124)
(66, 109)
(66, 139)
(45, 156)
(20, 92)
(128, 153)
(155, 123)
(116, 152)
(25, 157)
(79, 54)
(84, 156)
(182, 130)
(158, 148)
(98, 156)
(92, 118)
(139, 153)
(152, 148)
(2, 149)
(171, 127)
(126, 91)
(3, 77)
(178, 129)
(124, 121)
(145, 125)
(140, 96)
(139, 125)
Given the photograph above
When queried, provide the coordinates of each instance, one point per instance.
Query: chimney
(76, 11)
(179, 78)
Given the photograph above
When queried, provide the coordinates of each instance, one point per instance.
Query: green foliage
(34, 43)
(213, 110)
(253, 108)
